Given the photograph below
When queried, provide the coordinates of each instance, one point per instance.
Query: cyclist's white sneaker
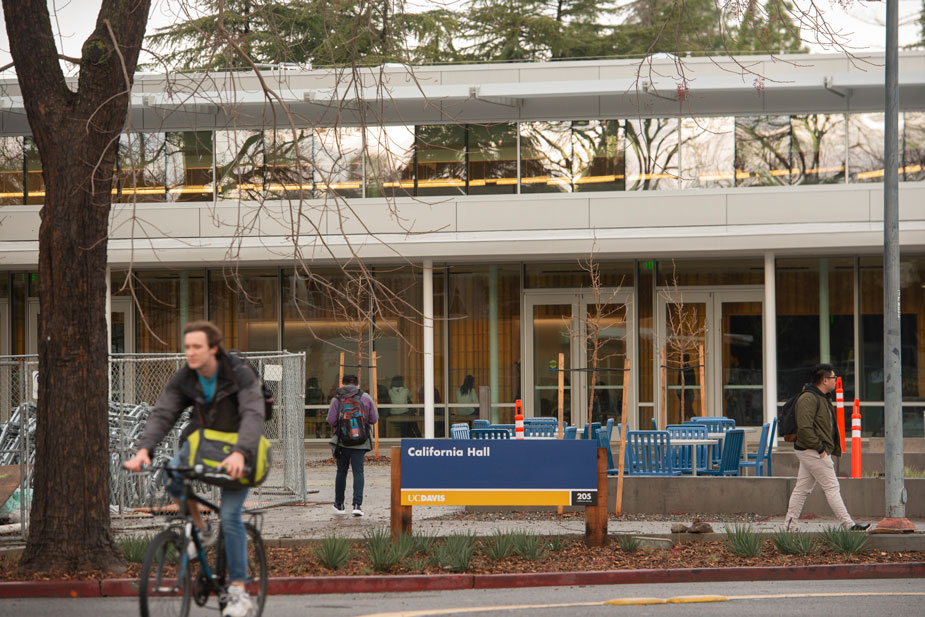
(238, 602)
(357, 511)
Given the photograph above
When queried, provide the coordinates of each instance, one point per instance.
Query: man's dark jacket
(238, 406)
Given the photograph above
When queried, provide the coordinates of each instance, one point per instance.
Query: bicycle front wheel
(164, 584)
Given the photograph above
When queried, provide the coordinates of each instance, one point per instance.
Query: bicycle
(170, 579)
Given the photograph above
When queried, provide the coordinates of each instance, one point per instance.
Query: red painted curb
(444, 582)
(50, 589)
(368, 584)
(630, 577)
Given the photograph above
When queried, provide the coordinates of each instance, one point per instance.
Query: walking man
(347, 452)
(816, 443)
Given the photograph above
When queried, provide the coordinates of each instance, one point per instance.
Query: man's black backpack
(268, 398)
(787, 417)
(352, 428)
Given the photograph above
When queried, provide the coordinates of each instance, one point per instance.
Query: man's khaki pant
(813, 469)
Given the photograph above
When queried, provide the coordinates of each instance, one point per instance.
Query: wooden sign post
(400, 516)
(596, 516)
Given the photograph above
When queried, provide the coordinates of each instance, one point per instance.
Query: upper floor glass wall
(640, 154)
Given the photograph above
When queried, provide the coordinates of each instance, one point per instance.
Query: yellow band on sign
(485, 498)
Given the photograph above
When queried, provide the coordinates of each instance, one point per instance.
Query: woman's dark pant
(349, 457)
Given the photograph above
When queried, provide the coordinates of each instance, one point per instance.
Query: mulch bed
(574, 556)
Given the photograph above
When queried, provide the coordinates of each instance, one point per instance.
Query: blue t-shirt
(208, 386)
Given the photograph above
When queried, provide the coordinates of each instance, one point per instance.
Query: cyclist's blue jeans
(353, 458)
(232, 505)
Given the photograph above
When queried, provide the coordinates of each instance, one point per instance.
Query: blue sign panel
(498, 472)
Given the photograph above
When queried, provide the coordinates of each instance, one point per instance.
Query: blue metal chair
(595, 427)
(648, 453)
(570, 432)
(654, 424)
(612, 469)
(481, 424)
(460, 431)
(546, 428)
(756, 461)
(489, 433)
(763, 455)
(715, 425)
(683, 455)
(609, 428)
(732, 453)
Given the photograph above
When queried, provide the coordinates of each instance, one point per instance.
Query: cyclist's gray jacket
(238, 406)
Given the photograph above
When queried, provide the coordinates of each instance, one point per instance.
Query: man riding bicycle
(226, 396)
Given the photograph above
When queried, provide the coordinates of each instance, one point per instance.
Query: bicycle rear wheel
(257, 576)
(164, 583)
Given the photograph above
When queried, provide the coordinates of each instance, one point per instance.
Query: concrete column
(429, 349)
(769, 318)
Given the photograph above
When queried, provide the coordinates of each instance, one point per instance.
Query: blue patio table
(693, 443)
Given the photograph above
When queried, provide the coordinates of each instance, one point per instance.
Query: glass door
(710, 355)
(595, 341)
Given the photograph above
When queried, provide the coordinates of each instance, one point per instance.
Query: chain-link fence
(136, 382)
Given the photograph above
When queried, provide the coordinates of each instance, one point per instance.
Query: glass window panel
(390, 161)
(608, 326)
(652, 154)
(142, 167)
(483, 329)
(575, 275)
(399, 341)
(165, 302)
(599, 161)
(551, 336)
(11, 176)
(546, 157)
(189, 166)
(914, 145)
(708, 272)
(244, 304)
(239, 164)
(35, 182)
(289, 163)
(818, 148)
(646, 316)
(707, 153)
(338, 161)
(492, 159)
(762, 150)
(865, 147)
(686, 327)
(815, 321)
(441, 159)
(742, 387)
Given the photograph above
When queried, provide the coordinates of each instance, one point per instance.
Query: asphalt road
(894, 597)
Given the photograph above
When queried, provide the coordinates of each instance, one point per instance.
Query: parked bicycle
(178, 568)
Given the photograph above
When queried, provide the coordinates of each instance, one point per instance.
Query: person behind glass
(399, 394)
(350, 456)
(226, 396)
(816, 443)
(466, 394)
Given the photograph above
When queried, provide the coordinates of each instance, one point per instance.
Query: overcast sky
(861, 22)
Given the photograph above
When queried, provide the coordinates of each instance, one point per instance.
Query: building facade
(732, 216)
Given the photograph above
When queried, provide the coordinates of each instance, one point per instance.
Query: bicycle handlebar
(194, 471)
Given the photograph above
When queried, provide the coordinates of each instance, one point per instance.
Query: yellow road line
(640, 601)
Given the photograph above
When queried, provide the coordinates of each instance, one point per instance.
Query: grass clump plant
(555, 543)
(794, 542)
(406, 546)
(628, 544)
(530, 546)
(499, 545)
(380, 549)
(741, 540)
(134, 547)
(848, 543)
(334, 552)
(454, 553)
(423, 542)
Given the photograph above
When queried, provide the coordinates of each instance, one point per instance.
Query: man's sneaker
(357, 511)
(859, 527)
(238, 602)
(339, 509)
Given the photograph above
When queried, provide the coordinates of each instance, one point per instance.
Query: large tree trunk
(77, 135)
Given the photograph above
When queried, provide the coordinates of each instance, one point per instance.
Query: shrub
(530, 546)
(380, 549)
(628, 544)
(134, 547)
(334, 552)
(794, 542)
(499, 545)
(742, 541)
(844, 541)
